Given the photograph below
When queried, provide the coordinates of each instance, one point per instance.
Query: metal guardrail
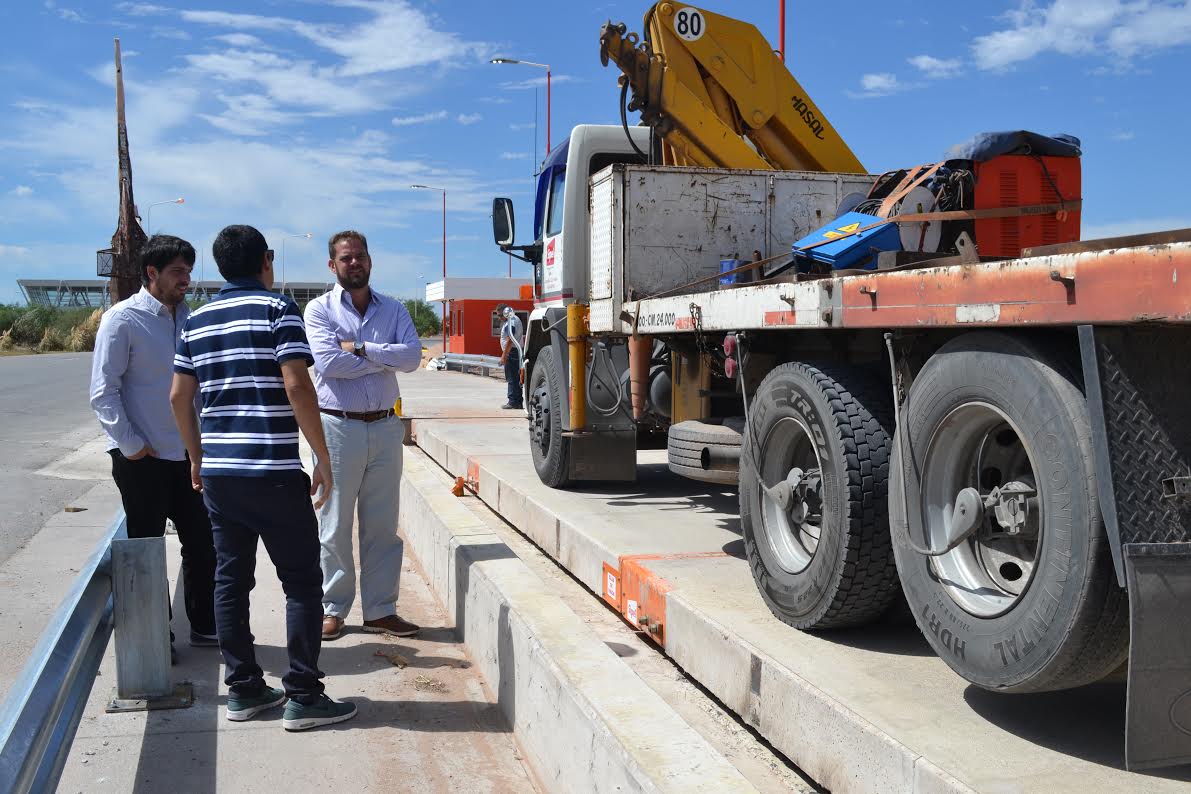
(465, 360)
(42, 711)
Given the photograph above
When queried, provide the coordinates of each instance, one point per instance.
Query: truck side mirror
(503, 228)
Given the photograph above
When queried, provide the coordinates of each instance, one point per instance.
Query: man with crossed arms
(360, 340)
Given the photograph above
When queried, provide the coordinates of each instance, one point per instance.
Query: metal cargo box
(656, 228)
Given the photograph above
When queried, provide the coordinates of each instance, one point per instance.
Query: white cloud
(1085, 27)
(13, 251)
(526, 126)
(171, 33)
(936, 68)
(248, 114)
(536, 82)
(285, 81)
(514, 155)
(878, 84)
(240, 40)
(396, 36)
(20, 191)
(467, 119)
(406, 121)
(141, 9)
(68, 14)
(1123, 135)
(495, 100)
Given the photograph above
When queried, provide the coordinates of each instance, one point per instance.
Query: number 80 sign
(689, 24)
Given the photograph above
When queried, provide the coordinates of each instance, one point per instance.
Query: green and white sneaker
(240, 707)
(324, 711)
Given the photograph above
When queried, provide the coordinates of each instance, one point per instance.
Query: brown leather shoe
(391, 624)
(332, 627)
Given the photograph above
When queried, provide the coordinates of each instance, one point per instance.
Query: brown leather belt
(367, 416)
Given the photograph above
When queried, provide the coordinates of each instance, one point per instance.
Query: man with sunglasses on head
(246, 353)
(130, 387)
(360, 340)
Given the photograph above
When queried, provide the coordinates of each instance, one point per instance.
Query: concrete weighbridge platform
(863, 710)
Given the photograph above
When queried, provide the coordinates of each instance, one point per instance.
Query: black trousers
(513, 377)
(278, 511)
(153, 490)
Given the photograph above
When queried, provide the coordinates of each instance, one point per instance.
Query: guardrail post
(141, 594)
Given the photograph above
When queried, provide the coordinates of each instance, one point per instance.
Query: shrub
(52, 341)
(9, 315)
(31, 326)
(66, 320)
(82, 336)
(425, 317)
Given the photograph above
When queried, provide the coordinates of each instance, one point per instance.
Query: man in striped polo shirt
(246, 353)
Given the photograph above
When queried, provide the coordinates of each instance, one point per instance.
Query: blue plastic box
(736, 278)
(856, 251)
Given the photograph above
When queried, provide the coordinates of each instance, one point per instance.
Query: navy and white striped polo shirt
(234, 346)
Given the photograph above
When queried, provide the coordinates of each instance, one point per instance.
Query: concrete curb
(584, 719)
(838, 748)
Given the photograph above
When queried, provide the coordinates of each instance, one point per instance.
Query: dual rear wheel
(983, 506)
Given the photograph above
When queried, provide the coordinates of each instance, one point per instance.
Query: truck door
(552, 253)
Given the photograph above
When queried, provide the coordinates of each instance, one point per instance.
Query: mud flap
(1158, 714)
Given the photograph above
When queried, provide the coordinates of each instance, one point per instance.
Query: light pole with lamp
(149, 212)
(304, 235)
(545, 66)
(444, 258)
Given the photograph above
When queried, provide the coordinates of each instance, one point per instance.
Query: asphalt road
(44, 415)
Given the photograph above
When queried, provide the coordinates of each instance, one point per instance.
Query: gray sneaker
(324, 711)
(241, 707)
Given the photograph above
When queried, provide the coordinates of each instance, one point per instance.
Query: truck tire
(686, 443)
(825, 561)
(551, 451)
(1029, 602)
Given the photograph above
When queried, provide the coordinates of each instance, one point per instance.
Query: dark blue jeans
(513, 377)
(279, 512)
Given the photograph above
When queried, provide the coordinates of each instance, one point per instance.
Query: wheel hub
(539, 419)
(792, 508)
(979, 487)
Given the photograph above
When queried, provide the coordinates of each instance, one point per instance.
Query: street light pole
(444, 257)
(781, 36)
(545, 66)
(305, 235)
(149, 212)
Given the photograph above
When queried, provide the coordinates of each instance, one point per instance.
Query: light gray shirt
(345, 381)
(131, 375)
(512, 329)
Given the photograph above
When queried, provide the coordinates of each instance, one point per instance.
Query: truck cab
(559, 253)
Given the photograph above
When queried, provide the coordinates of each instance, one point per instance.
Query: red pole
(547, 110)
(444, 271)
(782, 24)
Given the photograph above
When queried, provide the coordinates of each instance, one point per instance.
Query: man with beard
(360, 340)
(130, 393)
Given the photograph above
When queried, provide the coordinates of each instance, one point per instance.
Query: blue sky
(314, 116)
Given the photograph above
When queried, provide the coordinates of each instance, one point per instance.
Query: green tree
(425, 317)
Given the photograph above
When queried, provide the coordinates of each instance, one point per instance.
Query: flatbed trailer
(999, 447)
(1112, 318)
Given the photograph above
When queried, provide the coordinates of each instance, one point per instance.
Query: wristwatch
(359, 348)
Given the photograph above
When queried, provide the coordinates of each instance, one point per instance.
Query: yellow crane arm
(717, 95)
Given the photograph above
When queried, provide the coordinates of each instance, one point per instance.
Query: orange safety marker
(639, 594)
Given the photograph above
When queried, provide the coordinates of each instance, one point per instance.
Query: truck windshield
(554, 214)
